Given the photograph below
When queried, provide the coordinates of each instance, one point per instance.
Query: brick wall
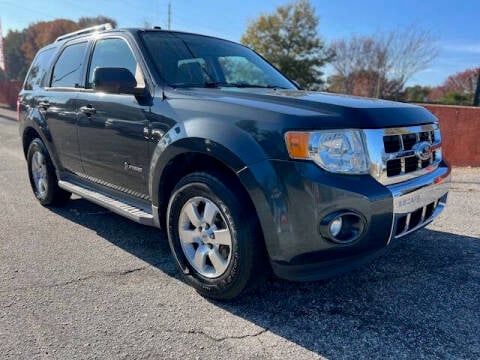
(460, 127)
(9, 91)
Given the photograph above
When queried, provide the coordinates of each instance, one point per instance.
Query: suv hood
(306, 109)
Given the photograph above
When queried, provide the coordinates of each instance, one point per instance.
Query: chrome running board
(136, 213)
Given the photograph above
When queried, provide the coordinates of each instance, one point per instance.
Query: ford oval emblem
(423, 150)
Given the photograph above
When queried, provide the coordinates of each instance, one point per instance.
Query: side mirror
(115, 81)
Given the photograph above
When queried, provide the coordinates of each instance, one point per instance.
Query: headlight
(339, 151)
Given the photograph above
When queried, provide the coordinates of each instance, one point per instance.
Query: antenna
(169, 15)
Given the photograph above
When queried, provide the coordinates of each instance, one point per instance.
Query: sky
(454, 24)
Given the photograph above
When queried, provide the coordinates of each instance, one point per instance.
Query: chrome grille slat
(407, 222)
(424, 211)
(402, 223)
(393, 152)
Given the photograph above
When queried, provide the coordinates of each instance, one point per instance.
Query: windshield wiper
(241, 85)
(217, 84)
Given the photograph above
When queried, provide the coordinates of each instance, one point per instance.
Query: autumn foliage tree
(289, 39)
(458, 89)
(43, 33)
(21, 46)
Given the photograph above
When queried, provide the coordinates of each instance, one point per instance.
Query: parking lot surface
(81, 282)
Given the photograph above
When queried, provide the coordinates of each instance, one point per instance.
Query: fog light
(336, 226)
(343, 227)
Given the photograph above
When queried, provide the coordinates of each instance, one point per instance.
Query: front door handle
(88, 110)
(44, 105)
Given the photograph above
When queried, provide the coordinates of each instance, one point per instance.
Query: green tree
(454, 98)
(85, 22)
(288, 38)
(417, 93)
(15, 62)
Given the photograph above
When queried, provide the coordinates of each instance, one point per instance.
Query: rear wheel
(216, 244)
(43, 179)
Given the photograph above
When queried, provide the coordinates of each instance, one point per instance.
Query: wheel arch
(29, 133)
(35, 126)
(183, 163)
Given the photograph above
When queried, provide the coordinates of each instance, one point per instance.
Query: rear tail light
(18, 108)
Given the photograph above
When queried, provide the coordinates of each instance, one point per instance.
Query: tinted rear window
(36, 75)
(68, 68)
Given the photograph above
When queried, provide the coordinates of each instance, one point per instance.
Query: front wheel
(214, 236)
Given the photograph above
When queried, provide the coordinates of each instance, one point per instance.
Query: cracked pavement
(82, 282)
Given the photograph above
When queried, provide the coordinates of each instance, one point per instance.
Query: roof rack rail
(106, 26)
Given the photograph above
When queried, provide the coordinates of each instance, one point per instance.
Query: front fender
(232, 146)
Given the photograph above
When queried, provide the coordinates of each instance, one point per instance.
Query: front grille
(409, 222)
(408, 141)
(401, 154)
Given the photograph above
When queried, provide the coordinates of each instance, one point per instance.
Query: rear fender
(35, 120)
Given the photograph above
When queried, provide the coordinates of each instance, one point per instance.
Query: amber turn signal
(297, 144)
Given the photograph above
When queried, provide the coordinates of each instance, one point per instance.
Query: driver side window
(114, 53)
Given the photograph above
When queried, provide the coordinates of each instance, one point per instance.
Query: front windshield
(187, 60)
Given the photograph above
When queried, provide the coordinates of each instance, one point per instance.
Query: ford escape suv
(245, 172)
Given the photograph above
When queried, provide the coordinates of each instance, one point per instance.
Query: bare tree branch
(381, 64)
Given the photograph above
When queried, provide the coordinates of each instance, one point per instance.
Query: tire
(216, 244)
(43, 179)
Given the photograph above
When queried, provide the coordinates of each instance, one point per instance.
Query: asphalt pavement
(81, 282)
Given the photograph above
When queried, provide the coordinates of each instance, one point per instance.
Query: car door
(57, 103)
(111, 127)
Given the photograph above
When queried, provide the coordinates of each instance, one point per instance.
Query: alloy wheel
(205, 237)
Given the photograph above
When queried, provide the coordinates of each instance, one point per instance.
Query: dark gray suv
(245, 171)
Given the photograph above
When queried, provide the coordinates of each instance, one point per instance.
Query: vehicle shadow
(420, 299)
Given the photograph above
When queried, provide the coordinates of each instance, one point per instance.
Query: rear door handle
(44, 105)
(88, 110)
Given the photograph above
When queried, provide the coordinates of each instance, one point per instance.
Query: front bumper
(299, 195)
(418, 201)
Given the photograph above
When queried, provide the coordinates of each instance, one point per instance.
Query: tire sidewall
(234, 277)
(37, 145)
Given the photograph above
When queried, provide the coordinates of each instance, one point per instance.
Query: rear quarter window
(38, 71)
(68, 69)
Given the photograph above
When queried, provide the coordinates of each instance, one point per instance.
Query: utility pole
(2, 50)
(476, 98)
(169, 15)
